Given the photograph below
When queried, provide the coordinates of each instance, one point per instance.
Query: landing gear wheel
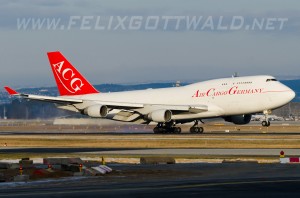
(159, 130)
(177, 130)
(196, 129)
(192, 130)
(166, 128)
(201, 130)
(265, 123)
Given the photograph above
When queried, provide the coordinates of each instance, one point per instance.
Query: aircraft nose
(291, 95)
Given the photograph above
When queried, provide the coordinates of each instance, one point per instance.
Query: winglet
(10, 91)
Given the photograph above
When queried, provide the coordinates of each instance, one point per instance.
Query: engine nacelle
(239, 119)
(161, 115)
(96, 111)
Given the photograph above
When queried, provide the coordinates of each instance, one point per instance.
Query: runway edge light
(103, 161)
(80, 167)
(281, 154)
(21, 169)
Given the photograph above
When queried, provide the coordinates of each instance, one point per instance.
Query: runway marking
(150, 188)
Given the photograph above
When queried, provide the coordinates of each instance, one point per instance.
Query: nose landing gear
(266, 122)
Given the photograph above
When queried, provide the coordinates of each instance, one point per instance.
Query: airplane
(234, 99)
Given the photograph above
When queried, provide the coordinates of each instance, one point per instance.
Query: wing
(128, 112)
(110, 104)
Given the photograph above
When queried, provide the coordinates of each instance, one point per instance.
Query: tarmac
(231, 179)
(176, 180)
(157, 152)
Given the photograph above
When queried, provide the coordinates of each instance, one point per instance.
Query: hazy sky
(141, 55)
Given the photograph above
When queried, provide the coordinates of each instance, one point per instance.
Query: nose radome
(291, 94)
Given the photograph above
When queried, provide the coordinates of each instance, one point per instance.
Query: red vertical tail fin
(69, 81)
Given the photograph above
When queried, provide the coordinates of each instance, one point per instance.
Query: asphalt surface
(199, 152)
(179, 180)
(155, 151)
(150, 133)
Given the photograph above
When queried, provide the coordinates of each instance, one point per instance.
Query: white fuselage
(223, 97)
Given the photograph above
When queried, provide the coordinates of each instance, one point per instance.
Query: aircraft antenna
(236, 74)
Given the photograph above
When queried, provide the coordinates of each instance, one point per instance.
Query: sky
(124, 48)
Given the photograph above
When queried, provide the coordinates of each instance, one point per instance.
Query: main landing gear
(168, 127)
(196, 129)
(266, 122)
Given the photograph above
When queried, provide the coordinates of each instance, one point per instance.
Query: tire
(177, 130)
(264, 123)
(161, 130)
(196, 129)
(192, 130)
(201, 129)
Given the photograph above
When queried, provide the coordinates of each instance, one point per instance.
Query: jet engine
(161, 115)
(96, 111)
(239, 119)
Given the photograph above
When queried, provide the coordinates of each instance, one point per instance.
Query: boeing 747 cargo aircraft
(234, 99)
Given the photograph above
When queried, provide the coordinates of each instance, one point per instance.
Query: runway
(150, 133)
(138, 152)
(179, 180)
(30, 127)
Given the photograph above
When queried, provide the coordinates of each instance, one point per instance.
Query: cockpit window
(271, 79)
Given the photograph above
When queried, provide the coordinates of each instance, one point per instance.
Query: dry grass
(152, 141)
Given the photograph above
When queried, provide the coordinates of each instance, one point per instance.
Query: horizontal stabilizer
(11, 91)
(58, 100)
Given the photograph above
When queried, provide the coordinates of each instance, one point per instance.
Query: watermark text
(153, 23)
